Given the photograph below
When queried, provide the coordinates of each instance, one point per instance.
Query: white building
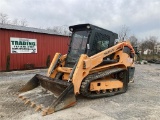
(147, 52)
(157, 48)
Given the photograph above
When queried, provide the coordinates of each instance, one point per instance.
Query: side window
(100, 43)
(79, 41)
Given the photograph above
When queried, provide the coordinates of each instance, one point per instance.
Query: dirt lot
(140, 102)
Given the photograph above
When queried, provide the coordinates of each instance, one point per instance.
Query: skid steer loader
(94, 67)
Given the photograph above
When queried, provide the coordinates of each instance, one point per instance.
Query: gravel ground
(140, 102)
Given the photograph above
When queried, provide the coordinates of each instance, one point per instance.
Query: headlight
(88, 26)
(71, 29)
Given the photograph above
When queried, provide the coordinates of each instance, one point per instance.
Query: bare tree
(133, 40)
(123, 33)
(148, 43)
(65, 30)
(23, 22)
(15, 22)
(4, 18)
(53, 29)
(59, 30)
(152, 42)
(143, 46)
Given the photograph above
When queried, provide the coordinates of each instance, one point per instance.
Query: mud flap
(47, 94)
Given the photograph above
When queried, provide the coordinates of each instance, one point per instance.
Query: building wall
(157, 48)
(46, 45)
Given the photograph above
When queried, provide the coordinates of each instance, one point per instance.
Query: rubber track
(92, 77)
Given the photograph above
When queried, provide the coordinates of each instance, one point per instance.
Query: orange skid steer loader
(94, 67)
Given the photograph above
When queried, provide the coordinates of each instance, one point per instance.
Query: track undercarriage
(115, 75)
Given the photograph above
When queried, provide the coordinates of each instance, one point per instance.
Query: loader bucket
(47, 94)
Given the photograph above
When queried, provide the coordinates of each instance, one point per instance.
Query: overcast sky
(141, 16)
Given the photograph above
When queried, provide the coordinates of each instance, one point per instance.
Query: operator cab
(88, 39)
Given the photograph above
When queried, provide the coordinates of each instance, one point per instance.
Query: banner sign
(23, 45)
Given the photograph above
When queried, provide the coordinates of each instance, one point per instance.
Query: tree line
(146, 43)
(143, 44)
(4, 19)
